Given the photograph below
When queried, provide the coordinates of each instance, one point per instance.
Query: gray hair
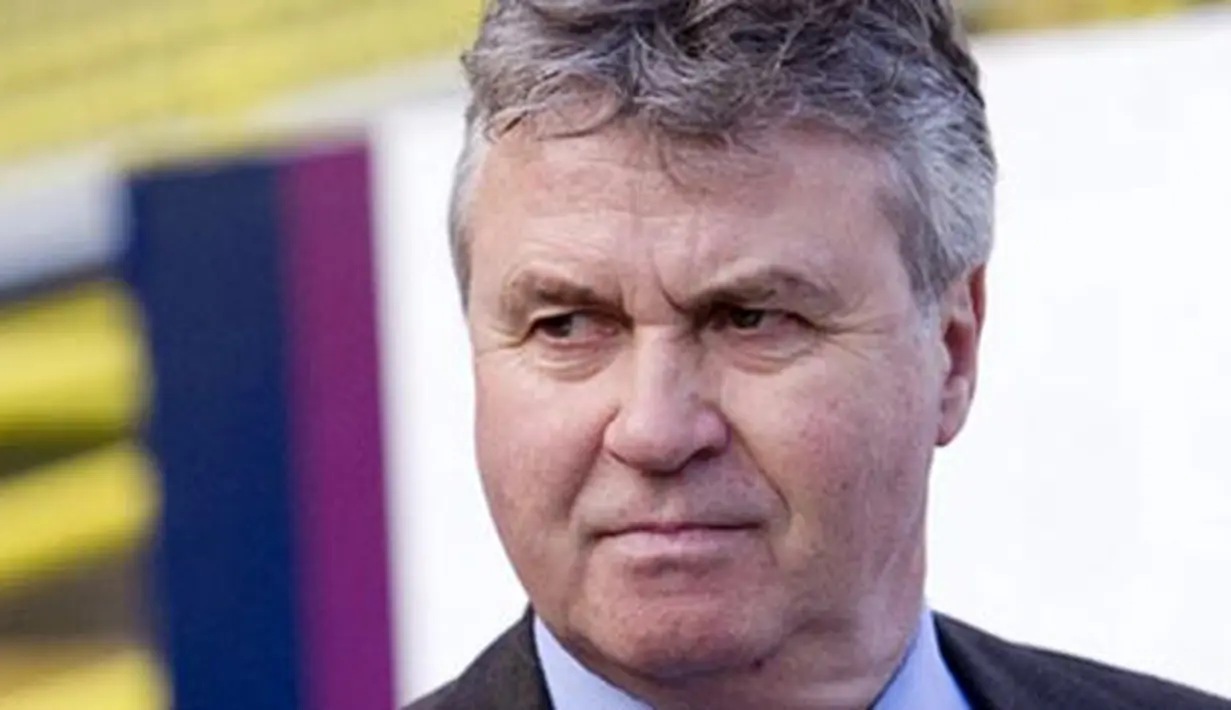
(893, 75)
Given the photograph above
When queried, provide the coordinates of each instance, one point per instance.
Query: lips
(678, 528)
(670, 528)
(678, 545)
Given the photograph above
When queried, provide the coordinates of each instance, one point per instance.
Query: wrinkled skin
(706, 411)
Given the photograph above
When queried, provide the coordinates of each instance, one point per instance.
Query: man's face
(706, 407)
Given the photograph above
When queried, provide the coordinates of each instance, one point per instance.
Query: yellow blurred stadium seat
(69, 81)
(69, 677)
(75, 511)
(69, 362)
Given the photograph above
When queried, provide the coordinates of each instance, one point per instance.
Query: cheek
(535, 442)
(846, 449)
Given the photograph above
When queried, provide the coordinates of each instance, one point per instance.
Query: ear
(961, 313)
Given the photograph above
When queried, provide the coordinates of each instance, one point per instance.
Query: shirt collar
(571, 685)
(922, 682)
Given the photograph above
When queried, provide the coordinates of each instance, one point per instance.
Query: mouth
(682, 528)
(679, 540)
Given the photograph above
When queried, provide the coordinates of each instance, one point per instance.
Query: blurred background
(235, 466)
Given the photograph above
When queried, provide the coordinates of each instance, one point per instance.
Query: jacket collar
(508, 676)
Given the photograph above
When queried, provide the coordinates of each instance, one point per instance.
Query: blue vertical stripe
(205, 263)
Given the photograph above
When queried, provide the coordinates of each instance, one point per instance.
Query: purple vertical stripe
(336, 433)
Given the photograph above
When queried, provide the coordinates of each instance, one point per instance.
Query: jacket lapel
(985, 684)
(507, 676)
(997, 675)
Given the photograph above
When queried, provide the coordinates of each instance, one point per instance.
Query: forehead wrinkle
(587, 172)
(535, 287)
(626, 166)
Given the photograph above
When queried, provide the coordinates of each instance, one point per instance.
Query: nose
(665, 419)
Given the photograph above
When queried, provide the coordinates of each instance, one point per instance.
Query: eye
(572, 327)
(558, 327)
(741, 319)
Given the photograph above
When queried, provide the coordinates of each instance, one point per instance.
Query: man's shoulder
(434, 700)
(997, 673)
(505, 676)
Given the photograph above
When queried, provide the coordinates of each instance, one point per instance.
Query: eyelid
(595, 319)
(547, 314)
(537, 321)
(718, 309)
(774, 317)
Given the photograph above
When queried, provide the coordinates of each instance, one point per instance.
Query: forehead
(757, 166)
(618, 189)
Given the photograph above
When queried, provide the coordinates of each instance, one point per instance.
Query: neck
(830, 662)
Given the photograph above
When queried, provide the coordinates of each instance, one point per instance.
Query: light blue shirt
(922, 682)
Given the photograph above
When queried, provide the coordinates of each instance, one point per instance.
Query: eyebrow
(529, 290)
(768, 285)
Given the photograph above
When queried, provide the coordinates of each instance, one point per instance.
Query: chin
(680, 638)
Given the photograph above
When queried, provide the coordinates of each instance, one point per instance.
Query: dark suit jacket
(994, 675)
